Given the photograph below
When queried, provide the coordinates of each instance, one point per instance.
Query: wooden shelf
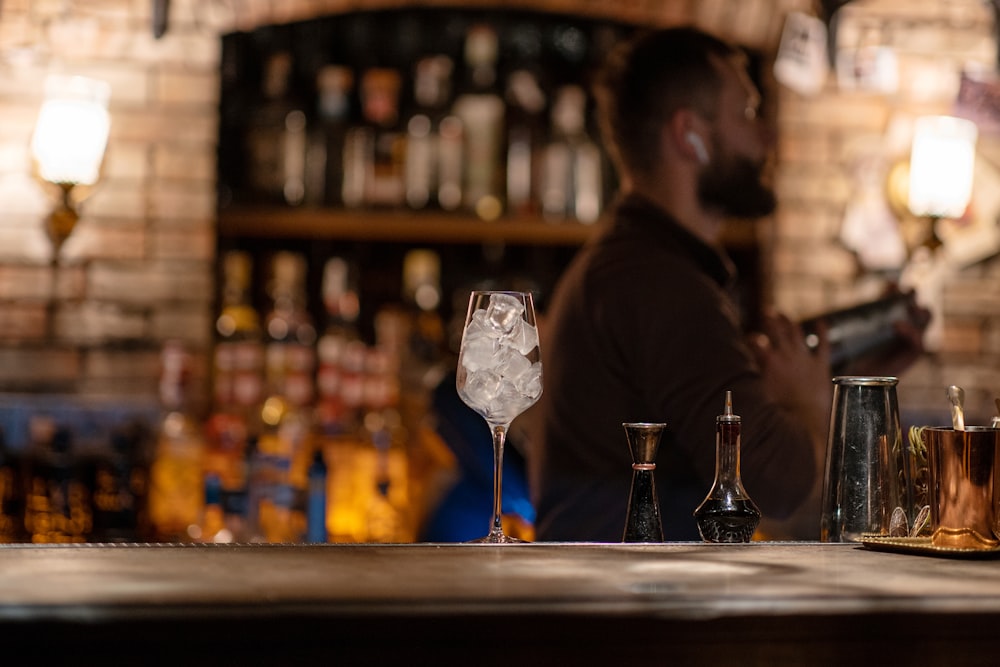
(263, 222)
(395, 226)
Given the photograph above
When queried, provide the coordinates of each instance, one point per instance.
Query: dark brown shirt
(643, 328)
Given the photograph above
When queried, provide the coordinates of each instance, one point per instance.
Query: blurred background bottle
(481, 110)
(11, 494)
(238, 381)
(571, 172)
(336, 409)
(238, 386)
(375, 150)
(290, 353)
(57, 505)
(316, 503)
(276, 136)
(211, 526)
(525, 136)
(118, 480)
(277, 466)
(431, 96)
(176, 478)
(325, 158)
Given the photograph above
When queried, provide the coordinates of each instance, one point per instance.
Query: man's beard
(735, 186)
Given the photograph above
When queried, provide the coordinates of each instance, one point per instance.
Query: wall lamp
(68, 145)
(936, 183)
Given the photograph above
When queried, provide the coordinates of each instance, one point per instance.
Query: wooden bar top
(542, 603)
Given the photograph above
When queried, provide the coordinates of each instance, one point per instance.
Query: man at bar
(643, 325)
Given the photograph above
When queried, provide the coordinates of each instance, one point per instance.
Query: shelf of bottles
(439, 119)
(312, 433)
(374, 167)
(419, 227)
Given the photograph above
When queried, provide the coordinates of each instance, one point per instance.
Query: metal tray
(922, 546)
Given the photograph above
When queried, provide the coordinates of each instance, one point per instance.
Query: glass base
(497, 538)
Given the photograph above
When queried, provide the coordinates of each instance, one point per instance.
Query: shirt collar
(636, 212)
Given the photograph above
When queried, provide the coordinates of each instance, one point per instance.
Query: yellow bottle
(176, 491)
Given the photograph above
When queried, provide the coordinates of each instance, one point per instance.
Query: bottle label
(482, 117)
(248, 388)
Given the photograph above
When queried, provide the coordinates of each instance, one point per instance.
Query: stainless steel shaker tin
(867, 471)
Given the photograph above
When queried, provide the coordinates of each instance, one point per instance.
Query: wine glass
(499, 373)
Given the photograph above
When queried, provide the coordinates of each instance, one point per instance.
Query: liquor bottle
(353, 380)
(375, 151)
(176, 477)
(11, 495)
(229, 445)
(525, 135)
(211, 526)
(275, 508)
(414, 466)
(572, 181)
(385, 520)
(238, 384)
(278, 473)
(422, 297)
(411, 336)
(481, 110)
(118, 481)
(276, 137)
(325, 158)
(290, 354)
(57, 504)
(239, 348)
(334, 410)
(451, 162)
(316, 531)
(431, 92)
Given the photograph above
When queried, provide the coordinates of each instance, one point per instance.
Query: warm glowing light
(72, 130)
(941, 166)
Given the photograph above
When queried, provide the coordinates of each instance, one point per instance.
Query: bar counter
(544, 603)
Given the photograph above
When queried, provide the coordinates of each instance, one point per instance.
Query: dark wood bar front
(545, 604)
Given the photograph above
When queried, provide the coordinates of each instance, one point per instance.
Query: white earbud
(698, 146)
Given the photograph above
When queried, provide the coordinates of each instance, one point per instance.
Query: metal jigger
(642, 523)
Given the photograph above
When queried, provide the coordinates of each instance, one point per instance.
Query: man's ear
(687, 135)
(697, 145)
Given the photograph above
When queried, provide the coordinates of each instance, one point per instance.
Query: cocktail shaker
(868, 466)
(859, 330)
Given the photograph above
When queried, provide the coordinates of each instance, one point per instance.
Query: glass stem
(499, 438)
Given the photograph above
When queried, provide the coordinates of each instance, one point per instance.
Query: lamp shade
(71, 133)
(941, 166)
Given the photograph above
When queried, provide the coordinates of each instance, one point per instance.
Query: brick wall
(823, 140)
(139, 267)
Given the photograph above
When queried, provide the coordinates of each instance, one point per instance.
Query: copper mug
(963, 495)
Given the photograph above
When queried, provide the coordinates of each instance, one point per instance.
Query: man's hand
(796, 377)
(907, 347)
